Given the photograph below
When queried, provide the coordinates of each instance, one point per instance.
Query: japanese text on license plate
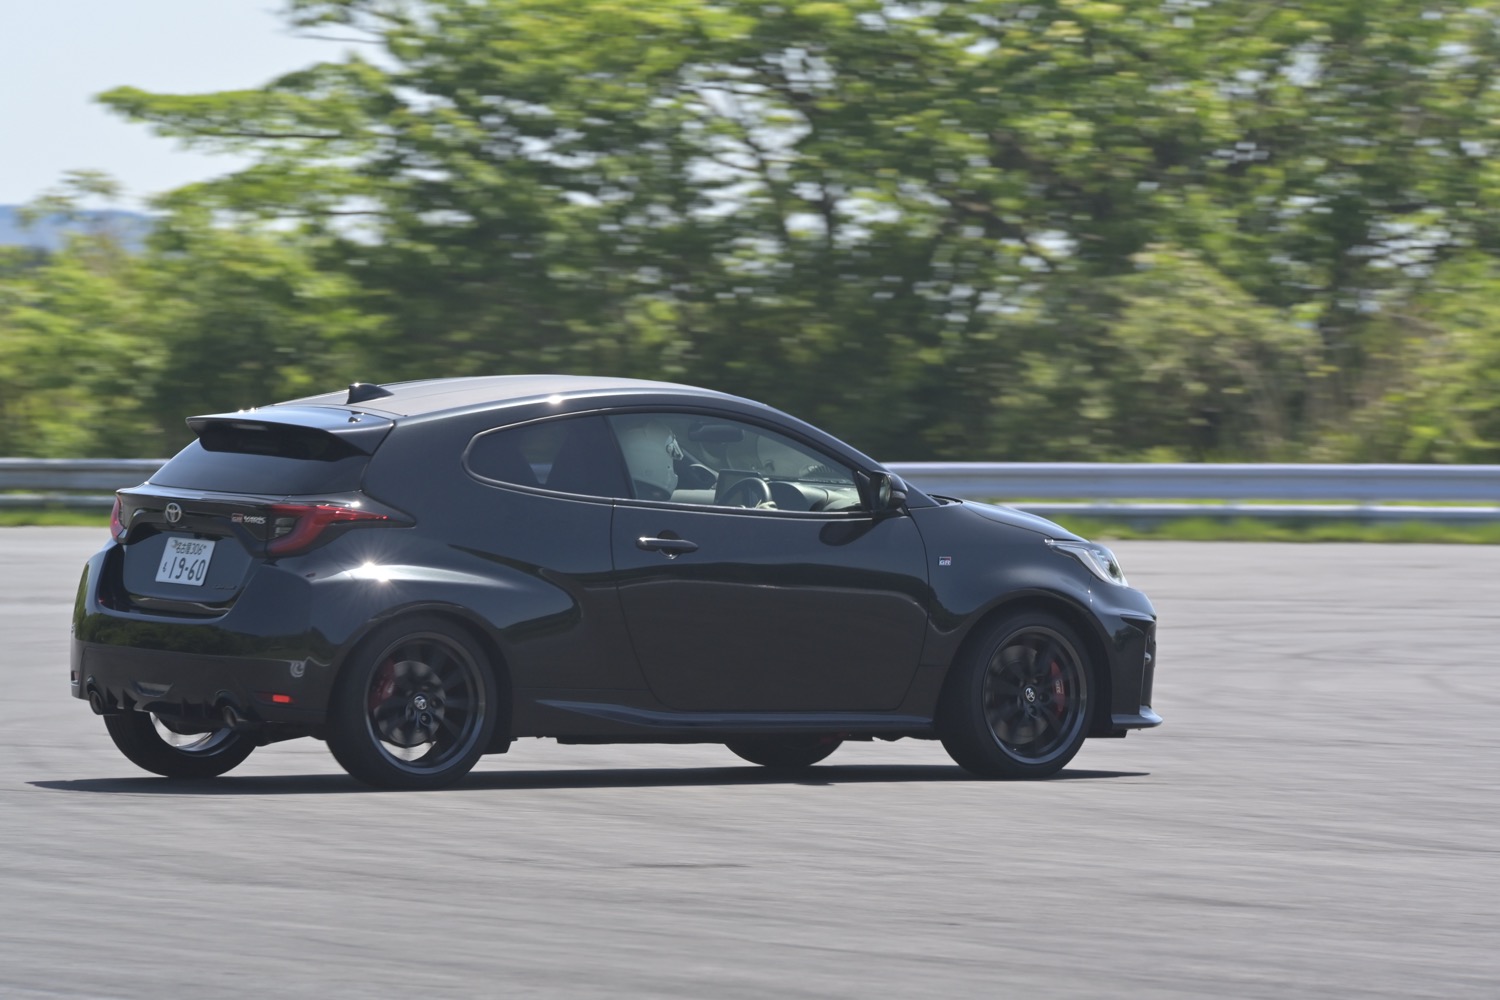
(185, 561)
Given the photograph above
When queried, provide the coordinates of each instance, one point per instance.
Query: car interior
(673, 457)
(685, 458)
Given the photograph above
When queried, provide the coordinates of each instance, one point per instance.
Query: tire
(414, 707)
(784, 753)
(1019, 700)
(150, 745)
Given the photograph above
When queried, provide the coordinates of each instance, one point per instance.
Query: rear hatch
(255, 487)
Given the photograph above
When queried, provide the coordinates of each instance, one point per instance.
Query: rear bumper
(192, 668)
(195, 686)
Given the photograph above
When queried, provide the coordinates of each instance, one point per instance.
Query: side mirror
(880, 491)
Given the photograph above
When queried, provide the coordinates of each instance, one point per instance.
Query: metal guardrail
(1120, 491)
(73, 483)
(1112, 480)
(1132, 492)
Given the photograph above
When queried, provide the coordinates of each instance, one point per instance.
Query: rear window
(332, 469)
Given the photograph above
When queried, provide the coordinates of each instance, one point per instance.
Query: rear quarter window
(568, 454)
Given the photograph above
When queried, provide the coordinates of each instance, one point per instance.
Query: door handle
(673, 547)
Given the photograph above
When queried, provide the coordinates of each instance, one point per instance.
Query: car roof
(440, 398)
(438, 395)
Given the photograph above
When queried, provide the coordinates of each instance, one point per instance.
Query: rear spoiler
(324, 433)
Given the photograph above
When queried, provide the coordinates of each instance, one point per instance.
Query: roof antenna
(361, 391)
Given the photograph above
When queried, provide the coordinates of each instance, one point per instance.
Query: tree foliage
(988, 229)
(104, 353)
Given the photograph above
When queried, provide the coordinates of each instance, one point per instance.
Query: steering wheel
(756, 490)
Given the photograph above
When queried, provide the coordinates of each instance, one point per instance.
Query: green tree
(71, 356)
(1434, 394)
(104, 352)
(915, 223)
(241, 317)
(1197, 363)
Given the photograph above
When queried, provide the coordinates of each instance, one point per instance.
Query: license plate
(185, 561)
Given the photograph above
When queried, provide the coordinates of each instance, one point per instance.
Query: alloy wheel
(1035, 695)
(425, 704)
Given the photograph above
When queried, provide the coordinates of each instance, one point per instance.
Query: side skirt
(654, 724)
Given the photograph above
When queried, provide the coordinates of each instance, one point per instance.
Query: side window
(703, 459)
(569, 455)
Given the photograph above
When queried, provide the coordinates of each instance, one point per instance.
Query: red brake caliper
(1059, 694)
(384, 686)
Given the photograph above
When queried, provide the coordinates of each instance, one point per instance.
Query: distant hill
(131, 228)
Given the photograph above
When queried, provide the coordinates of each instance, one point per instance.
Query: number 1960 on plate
(185, 561)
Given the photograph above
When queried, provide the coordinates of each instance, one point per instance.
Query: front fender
(981, 565)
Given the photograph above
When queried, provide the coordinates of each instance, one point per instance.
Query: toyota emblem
(174, 513)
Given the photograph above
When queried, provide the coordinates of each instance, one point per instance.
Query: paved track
(1317, 818)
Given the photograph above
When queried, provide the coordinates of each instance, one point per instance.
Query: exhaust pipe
(234, 718)
(100, 704)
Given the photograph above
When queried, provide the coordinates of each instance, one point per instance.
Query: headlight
(1100, 561)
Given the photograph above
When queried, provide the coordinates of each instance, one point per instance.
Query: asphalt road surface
(1319, 817)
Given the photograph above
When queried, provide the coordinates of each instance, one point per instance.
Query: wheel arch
(1078, 618)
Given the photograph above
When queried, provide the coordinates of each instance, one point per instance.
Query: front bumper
(1143, 719)
(1134, 674)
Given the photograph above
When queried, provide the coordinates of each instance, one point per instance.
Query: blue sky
(55, 55)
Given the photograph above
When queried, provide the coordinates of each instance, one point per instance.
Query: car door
(542, 508)
(750, 577)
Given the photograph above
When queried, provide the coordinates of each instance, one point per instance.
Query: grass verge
(54, 516)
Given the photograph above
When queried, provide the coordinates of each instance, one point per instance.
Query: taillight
(298, 525)
(116, 526)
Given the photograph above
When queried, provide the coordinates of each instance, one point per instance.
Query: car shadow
(686, 777)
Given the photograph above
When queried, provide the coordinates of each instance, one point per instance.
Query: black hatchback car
(422, 573)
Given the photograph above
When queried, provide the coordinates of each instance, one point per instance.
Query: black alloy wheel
(1019, 703)
(784, 753)
(415, 707)
(173, 751)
